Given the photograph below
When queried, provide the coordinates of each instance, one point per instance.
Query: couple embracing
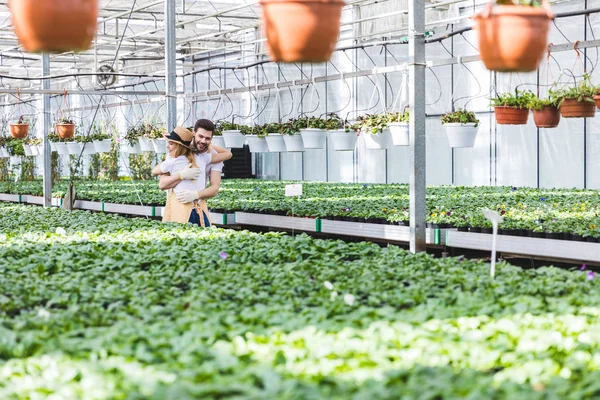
(191, 161)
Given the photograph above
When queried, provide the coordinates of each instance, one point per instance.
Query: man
(203, 131)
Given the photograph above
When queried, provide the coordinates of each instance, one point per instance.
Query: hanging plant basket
(399, 133)
(218, 141)
(342, 140)
(572, 108)
(54, 26)
(293, 142)
(301, 30)
(65, 131)
(74, 148)
(257, 144)
(19, 131)
(313, 138)
(379, 141)
(547, 117)
(461, 135)
(275, 142)
(513, 38)
(597, 100)
(233, 139)
(506, 115)
(102, 146)
(146, 144)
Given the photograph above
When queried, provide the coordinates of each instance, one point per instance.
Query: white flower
(333, 295)
(328, 285)
(61, 231)
(3, 238)
(349, 299)
(43, 313)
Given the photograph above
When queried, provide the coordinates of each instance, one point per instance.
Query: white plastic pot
(53, 146)
(219, 141)
(256, 144)
(275, 142)
(131, 149)
(88, 149)
(27, 150)
(313, 138)
(74, 148)
(461, 135)
(40, 149)
(102, 146)
(146, 144)
(378, 141)
(62, 149)
(293, 142)
(34, 150)
(160, 146)
(399, 133)
(342, 140)
(234, 138)
(3, 153)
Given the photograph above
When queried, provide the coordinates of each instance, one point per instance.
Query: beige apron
(175, 211)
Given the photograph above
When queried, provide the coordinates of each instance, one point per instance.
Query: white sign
(293, 190)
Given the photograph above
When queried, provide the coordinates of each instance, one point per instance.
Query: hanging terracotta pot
(301, 30)
(19, 131)
(547, 117)
(65, 131)
(513, 38)
(506, 115)
(597, 100)
(54, 26)
(571, 108)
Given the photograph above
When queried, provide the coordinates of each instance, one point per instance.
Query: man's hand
(189, 173)
(186, 196)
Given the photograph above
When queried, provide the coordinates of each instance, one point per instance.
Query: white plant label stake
(496, 219)
(293, 191)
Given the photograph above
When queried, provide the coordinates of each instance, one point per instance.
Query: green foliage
(582, 91)
(460, 116)
(15, 146)
(535, 103)
(65, 120)
(375, 123)
(33, 141)
(520, 99)
(140, 165)
(27, 169)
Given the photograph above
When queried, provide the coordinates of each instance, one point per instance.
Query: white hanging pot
(313, 138)
(257, 144)
(34, 150)
(102, 146)
(342, 140)
(88, 149)
(3, 153)
(146, 144)
(62, 149)
(378, 141)
(132, 149)
(234, 139)
(160, 146)
(74, 148)
(399, 133)
(293, 142)
(275, 142)
(40, 149)
(461, 135)
(218, 141)
(53, 146)
(27, 150)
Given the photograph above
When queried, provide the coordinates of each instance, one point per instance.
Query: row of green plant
(539, 210)
(103, 307)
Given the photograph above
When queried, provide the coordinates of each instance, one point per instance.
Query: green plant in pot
(512, 109)
(545, 111)
(577, 101)
(65, 127)
(461, 127)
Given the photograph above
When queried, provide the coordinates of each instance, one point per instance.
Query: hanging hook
(575, 48)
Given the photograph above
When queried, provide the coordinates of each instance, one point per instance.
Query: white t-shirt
(174, 165)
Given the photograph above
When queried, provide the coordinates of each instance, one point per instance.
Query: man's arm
(213, 189)
(222, 154)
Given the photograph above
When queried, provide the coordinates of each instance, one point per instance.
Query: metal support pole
(416, 55)
(47, 180)
(170, 65)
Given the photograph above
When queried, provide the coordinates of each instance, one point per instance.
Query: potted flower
(217, 137)
(101, 140)
(461, 128)
(149, 133)
(545, 111)
(274, 138)
(86, 144)
(131, 138)
(232, 135)
(512, 109)
(513, 36)
(35, 24)
(291, 136)
(398, 125)
(59, 145)
(20, 128)
(31, 146)
(65, 127)
(256, 139)
(374, 129)
(577, 101)
(300, 30)
(313, 131)
(343, 136)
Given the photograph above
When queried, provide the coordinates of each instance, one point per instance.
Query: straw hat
(180, 135)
